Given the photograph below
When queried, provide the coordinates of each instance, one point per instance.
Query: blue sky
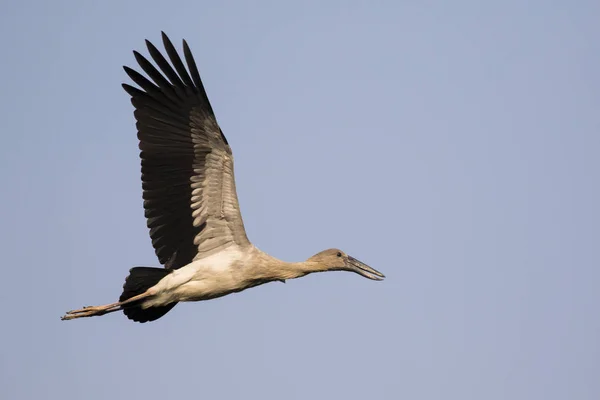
(451, 145)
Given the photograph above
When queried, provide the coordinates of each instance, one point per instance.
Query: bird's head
(337, 260)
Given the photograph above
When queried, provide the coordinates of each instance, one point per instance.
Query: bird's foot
(90, 311)
(86, 309)
(71, 315)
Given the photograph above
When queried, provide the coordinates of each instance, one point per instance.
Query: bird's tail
(139, 280)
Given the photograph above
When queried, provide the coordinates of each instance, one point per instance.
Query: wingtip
(150, 46)
(131, 91)
(140, 59)
(187, 52)
(166, 41)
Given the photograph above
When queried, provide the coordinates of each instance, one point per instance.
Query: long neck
(271, 268)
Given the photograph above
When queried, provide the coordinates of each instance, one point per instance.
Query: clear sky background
(453, 145)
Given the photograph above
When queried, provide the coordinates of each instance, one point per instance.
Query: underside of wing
(188, 183)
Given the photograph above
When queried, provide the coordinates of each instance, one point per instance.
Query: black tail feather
(139, 280)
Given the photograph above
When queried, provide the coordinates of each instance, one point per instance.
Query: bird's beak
(363, 269)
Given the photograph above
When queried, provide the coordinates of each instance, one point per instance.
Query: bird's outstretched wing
(189, 192)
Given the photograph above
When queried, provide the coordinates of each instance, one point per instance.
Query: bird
(190, 200)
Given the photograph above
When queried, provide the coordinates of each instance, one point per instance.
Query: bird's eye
(339, 254)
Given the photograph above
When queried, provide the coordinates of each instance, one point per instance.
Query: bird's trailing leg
(92, 311)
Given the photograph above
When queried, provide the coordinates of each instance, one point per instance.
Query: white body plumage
(207, 278)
